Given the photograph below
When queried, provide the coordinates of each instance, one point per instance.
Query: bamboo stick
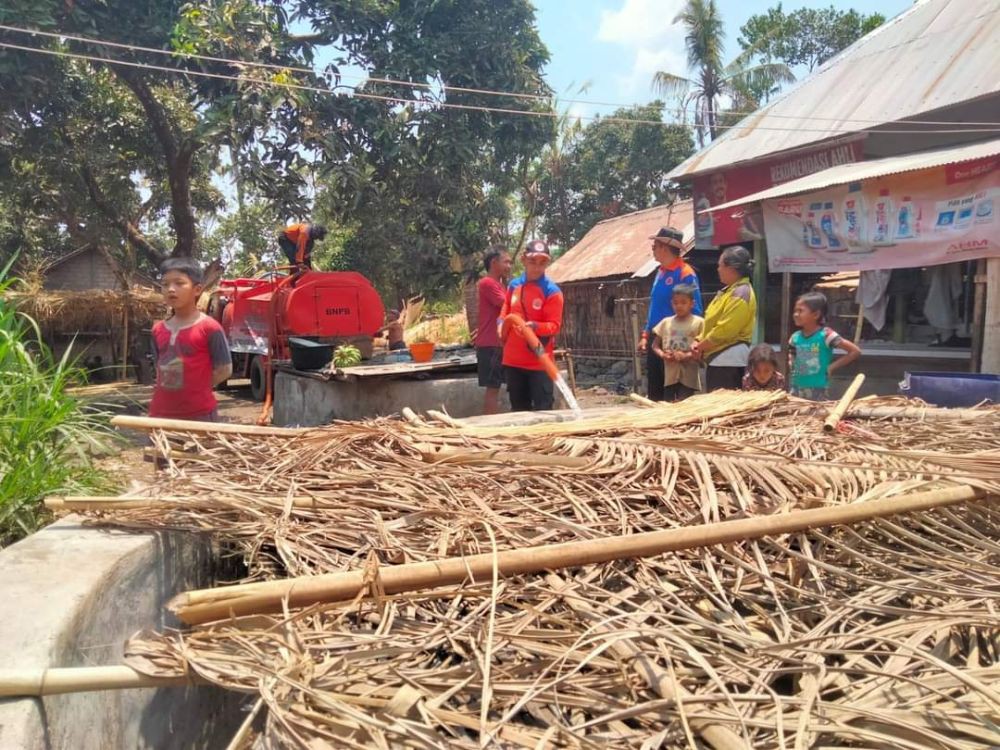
(929, 413)
(641, 400)
(25, 683)
(207, 605)
(135, 502)
(655, 678)
(831, 422)
(182, 425)
(55, 681)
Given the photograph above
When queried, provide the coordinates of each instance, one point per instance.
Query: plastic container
(309, 355)
(422, 351)
(951, 388)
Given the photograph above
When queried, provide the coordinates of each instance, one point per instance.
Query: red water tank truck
(260, 315)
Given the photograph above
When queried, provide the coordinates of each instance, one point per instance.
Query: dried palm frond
(883, 634)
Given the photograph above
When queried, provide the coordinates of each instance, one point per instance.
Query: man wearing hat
(539, 302)
(668, 246)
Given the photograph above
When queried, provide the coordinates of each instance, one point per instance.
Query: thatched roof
(90, 310)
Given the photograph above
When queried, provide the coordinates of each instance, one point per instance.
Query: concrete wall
(71, 597)
(306, 401)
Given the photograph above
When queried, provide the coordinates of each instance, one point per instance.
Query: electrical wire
(466, 107)
(448, 87)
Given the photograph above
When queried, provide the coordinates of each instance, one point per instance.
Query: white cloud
(646, 30)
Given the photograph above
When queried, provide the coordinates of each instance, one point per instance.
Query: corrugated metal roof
(870, 169)
(619, 246)
(935, 54)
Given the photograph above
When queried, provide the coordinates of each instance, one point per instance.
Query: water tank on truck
(259, 315)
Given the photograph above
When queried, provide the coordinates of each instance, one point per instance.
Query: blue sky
(615, 46)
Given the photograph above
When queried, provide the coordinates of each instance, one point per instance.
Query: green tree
(808, 36)
(420, 186)
(712, 79)
(100, 147)
(608, 168)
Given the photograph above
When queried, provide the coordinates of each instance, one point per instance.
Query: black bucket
(309, 355)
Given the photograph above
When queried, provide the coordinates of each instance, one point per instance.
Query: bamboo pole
(641, 400)
(182, 425)
(656, 679)
(831, 422)
(58, 680)
(208, 605)
(929, 413)
(786, 320)
(34, 683)
(136, 502)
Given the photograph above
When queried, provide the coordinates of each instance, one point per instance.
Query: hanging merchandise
(904, 220)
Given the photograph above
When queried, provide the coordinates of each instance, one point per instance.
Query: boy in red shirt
(539, 302)
(191, 352)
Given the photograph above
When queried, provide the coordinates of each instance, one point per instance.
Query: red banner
(742, 223)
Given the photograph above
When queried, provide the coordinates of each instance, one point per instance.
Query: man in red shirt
(296, 241)
(539, 302)
(190, 348)
(489, 353)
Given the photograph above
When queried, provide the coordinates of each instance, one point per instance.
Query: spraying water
(568, 395)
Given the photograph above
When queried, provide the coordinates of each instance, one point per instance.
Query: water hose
(516, 324)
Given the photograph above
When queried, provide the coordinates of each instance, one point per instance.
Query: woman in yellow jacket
(729, 322)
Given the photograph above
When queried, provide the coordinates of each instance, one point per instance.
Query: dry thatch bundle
(67, 312)
(883, 634)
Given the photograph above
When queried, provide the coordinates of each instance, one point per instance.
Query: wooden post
(786, 320)
(633, 311)
(760, 288)
(125, 316)
(571, 371)
(991, 323)
(209, 605)
(978, 315)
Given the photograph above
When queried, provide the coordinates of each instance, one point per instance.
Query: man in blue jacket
(668, 245)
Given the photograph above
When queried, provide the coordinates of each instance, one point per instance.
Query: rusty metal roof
(936, 54)
(619, 246)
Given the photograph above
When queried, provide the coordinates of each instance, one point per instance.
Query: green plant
(47, 438)
(346, 355)
(420, 338)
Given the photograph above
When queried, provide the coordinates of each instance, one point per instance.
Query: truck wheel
(258, 379)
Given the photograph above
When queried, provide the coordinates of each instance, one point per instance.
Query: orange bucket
(422, 352)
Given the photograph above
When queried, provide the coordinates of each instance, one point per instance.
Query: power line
(447, 87)
(452, 105)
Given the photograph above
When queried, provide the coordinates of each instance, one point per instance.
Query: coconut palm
(713, 79)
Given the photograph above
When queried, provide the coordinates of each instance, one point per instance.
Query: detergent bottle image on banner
(882, 219)
(854, 212)
(828, 224)
(814, 236)
(908, 220)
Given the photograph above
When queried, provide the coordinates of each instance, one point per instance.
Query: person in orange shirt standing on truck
(296, 241)
(539, 302)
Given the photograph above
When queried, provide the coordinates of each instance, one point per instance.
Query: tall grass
(47, 438)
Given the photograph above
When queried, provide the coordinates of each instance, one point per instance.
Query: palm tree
(712, 78)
